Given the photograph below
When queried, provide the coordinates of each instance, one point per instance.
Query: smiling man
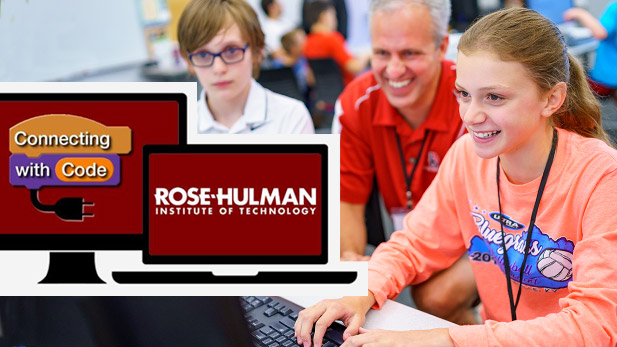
(404, 111)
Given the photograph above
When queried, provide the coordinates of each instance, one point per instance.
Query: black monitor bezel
(321, 149)
(89, 242)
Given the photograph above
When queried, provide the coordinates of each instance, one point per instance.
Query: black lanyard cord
(547, 169)
(409, 178)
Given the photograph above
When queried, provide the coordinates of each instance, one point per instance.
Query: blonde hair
(201, 20)
(524, 36)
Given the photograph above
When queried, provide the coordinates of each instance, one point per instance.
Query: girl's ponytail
(580, 112)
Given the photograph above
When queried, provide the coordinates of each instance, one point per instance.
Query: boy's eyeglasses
(230, 55)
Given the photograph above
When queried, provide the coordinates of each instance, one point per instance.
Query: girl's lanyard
(547, 169)
(409, 178)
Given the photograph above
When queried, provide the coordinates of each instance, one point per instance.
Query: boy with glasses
(222, 42)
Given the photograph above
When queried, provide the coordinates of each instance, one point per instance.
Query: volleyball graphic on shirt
(549, 261)
(555, 264)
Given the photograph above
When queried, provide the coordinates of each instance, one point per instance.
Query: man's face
(406, 61)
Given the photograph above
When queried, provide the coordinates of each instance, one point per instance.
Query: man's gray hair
(440, 11)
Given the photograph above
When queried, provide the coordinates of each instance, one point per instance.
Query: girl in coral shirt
(528, 194)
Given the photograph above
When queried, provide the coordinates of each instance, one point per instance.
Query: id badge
(398, 215)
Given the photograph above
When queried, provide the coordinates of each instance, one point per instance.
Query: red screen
(117, 209)
(201, 232)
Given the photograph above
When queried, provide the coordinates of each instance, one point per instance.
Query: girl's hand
(351, 310)
(375, 338)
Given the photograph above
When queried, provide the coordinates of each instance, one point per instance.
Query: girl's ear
(554, 99)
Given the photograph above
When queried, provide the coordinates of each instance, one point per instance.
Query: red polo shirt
(329, 45)
(368, 140)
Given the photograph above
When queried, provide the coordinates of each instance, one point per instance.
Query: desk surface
(392, 316)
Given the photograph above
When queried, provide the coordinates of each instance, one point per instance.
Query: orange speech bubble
(84, 169)
(65, 134)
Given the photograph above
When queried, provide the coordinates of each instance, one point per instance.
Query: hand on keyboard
(272, 319)
(432, 337)
(351, 310)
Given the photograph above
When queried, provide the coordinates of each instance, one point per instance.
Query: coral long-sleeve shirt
(569, 294)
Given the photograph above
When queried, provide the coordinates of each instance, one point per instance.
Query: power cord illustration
(70, 208)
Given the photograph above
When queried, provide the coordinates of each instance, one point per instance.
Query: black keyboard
(271, 321)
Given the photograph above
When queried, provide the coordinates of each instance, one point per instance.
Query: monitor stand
(71, 267)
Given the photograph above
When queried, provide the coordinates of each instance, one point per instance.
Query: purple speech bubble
(34, 173)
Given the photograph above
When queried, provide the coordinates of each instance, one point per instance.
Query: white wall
(57, 39)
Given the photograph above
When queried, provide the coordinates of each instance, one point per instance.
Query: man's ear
(554, 99)
(443, 47)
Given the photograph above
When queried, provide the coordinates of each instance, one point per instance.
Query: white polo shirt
(265, 112)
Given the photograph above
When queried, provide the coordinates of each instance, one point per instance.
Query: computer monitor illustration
(73, 171)
(551, 9)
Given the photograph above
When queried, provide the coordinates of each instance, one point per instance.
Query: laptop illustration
(237, 205)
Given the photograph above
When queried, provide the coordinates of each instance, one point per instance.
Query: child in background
(323, 41)
(274, 27)
(222, 42)
(528, 193)
(603, 76)
(293, 43)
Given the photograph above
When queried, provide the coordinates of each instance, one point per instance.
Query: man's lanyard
(547, 169)
(409, 178)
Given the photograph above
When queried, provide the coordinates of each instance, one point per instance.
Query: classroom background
(135, 40)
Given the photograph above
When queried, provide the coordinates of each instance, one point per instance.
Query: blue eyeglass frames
(230, 55)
